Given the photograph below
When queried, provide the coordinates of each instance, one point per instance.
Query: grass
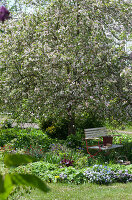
(128, 129)
(61, 191)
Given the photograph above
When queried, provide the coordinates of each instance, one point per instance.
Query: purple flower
(4, 14)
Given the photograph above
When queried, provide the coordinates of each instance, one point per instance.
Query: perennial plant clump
(66, 161)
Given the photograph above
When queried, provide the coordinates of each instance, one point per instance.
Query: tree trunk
(71, 124)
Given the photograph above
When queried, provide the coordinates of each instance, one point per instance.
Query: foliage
(45, 123)
(39, 145)
(126, 150)
(6, 135)
(66, 161)
(20, 138)
(7, 124)
(55, 164)
(19, 191)
(95, 174)
(9, 181)
(89, 120)
(103, 175)
(14, 160)
(61, 155)
(55, 128)
(83, 162)
(75, 141)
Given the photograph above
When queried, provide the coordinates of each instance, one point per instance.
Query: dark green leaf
(29, 180)
(14, 160)
(1, 184)
(6, 186)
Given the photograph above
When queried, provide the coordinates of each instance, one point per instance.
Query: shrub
(25, 138)
(7, 124)
(82, 162)
(88, 120)
(6, 135)
(59, 154)
(104, 175)
(126, 150)
(45, 123)
(75, 141)
(55, 128)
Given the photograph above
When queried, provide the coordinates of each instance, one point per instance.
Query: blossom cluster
(104, 175)
(4, 14)
(97, 174)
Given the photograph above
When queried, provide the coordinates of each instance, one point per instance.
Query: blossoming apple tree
(65, 58)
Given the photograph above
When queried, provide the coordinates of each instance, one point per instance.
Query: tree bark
(71, 124)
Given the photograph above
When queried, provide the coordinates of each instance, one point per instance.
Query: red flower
(4, 14)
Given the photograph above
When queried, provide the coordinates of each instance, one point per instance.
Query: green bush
(126, 150)
(58, 127)
(6, 135)
(7, 123)
(61, 128)
(88, 120)
(25, 138)
(55, 128)
(74, 141)
(45, 123)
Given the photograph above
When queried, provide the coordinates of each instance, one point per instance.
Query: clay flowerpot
(107, 140)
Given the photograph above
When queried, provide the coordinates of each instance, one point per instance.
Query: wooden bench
(97, 133)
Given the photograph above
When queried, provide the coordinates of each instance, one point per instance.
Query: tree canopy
(66, 58)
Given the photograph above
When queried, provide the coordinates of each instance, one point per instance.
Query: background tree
(66, 58)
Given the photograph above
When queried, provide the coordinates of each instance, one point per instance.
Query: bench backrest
(95, 132)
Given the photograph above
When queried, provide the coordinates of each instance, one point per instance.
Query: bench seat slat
(101, 128)
(96, 133)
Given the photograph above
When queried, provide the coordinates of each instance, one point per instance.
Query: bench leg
(92, 156)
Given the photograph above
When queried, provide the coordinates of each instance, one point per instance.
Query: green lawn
(128, 129)
(60, 191)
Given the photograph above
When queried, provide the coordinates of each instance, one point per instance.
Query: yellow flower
(57, 177)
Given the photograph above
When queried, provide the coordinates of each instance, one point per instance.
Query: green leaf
(14, 160)
(1, 184)
(6, 186)
(8, 182)
(29, 180)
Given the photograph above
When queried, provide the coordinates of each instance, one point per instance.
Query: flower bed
(97, 174)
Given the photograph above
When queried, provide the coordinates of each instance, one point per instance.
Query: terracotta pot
(107, 140)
